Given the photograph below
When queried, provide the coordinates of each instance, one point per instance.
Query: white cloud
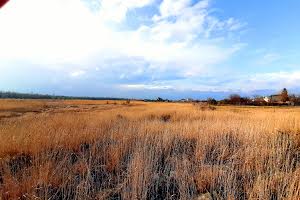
(77, 73)
(65, 34)
(263, 81)
(240, 83)
(269, 58)
(277, 79)
(48, 31)
(146, 86)
(116, 10)
(172, 8)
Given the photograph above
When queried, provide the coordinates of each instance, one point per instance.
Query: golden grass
(110, 150)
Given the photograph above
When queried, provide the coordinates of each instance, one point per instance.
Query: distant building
(276, 98)
(260, 100)
(267, 99)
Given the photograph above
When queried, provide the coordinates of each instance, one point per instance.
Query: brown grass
(120, 150)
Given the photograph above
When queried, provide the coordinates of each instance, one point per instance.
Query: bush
(212, 101)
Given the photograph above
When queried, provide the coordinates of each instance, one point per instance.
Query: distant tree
(259, 101)
(246, 101)
(235, 99)
(295, 99)
(160, 99)
(284, 95)
(224, 101)
(292, 97)
(212, 101)
(257, 97)
(15, 95)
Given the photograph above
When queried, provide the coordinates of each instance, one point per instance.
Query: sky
(149, 48)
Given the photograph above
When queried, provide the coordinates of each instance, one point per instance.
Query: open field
(113, 150)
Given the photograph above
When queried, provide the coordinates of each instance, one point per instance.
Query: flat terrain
(114, 150)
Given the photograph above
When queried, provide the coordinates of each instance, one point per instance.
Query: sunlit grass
(112, 150)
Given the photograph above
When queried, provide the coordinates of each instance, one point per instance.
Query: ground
(76, 149)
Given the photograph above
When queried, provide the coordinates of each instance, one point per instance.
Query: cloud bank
(180, 45)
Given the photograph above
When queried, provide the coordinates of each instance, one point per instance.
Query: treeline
(236, 99)
(17, 95)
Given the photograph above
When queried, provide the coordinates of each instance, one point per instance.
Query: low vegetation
(55, 149)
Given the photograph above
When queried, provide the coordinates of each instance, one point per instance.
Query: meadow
(76, 149)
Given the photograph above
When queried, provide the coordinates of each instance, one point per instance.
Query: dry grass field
(113, 150)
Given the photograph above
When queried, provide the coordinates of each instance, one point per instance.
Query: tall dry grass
(99, 150)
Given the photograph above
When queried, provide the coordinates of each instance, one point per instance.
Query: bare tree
(235, 99)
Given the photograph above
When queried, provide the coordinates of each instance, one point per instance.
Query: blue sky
(150, 48)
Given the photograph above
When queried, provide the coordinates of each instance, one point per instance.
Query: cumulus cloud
(182, 40)
(276, 80)
(77, 73)
(148, 87)
(260, 81)
(116, 10)
(243, 83)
